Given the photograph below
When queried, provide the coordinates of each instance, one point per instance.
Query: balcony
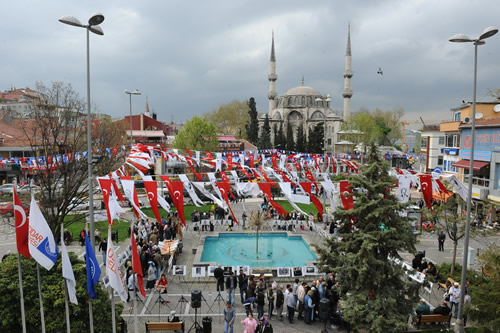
(449, 126)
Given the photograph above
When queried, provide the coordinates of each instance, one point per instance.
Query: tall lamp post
(93, 26)
(461, 38)
(130, 93)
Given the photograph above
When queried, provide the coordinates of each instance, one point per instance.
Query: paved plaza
(179, 292)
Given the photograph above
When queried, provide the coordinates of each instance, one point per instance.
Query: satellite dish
(479, 115)
(497, 108)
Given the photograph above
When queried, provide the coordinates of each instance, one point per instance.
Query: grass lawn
(306, 208)
(123, 225)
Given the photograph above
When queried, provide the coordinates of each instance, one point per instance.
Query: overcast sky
(188, 57)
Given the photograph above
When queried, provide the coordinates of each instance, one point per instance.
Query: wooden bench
(443, 285)
(166, 326)
(434, 318)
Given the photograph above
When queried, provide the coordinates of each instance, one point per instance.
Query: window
(440, 160)
(329, 141)
(452, 140)
(457, 115)
(441, 140)
(423, 142)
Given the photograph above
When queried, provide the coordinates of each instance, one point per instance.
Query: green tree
(265, 135)
(485, 305)
(197, 134)
(377, 294)
(230, 118)
(301, 140)
(290, 143)
(252, 126)
(315, 141)
(276, 137)
(53, 298)
(389, 124)
(281, 138)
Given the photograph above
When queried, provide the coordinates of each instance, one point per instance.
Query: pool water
(275, 250)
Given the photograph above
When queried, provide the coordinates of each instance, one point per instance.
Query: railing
(478, 181)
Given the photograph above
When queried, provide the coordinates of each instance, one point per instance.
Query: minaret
(146, 111)
(347, 93)
(272, 77)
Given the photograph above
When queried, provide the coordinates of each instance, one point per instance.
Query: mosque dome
(302, 91)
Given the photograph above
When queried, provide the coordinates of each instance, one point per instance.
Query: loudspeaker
(196, 299)
(324, 309)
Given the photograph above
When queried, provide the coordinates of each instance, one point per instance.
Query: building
(431, 145)
(307, 107)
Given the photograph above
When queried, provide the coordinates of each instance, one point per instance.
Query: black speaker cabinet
(324, 309)
(196, 299)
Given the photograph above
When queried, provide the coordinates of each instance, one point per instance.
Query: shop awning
(464, 164)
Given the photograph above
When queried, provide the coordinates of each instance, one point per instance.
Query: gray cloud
(188, 57)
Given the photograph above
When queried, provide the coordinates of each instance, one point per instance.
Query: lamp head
(488, 32)
(71, 20)
(96, 19)
(460, 38)
(136, 92)
(96, 29)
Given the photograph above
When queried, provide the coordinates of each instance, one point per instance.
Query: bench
(443, 285)
(434, 318)
(166, 326)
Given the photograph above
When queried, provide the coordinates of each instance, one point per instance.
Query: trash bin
(207, 324)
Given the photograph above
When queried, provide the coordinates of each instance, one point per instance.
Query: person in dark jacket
(219, 276)
(243, 283)
(231, 284)
(280, 300)
(251, 286)
(443, 309)
(441, 239)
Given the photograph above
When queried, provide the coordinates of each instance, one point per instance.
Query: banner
(346, 195)
(113, 270)
(93, 269)
(426, 185)
(136, 265)
(152, 192)
(22, 226)
(42, 245)
(68, 275)
(403, 188)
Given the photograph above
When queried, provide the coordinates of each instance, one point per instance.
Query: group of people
(256, 292)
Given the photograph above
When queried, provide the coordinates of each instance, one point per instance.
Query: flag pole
(19, 270)
(23, 318)
(111, 292)
(42, 317)
(68, 324)
(136, 327)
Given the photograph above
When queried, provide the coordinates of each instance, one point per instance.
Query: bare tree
(57, 133)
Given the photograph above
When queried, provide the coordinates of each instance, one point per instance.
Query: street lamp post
(461, 38)
(327, 100)
(93, 26)
(130, 93)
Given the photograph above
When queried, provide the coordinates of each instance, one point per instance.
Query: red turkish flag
(135, 197)
(273, 159)
(117, 190)
(176, 191)
(224, 189)
(136, 265)
(229, 161)
(311, 178)
(334, 166)
(426, 185)
(266, 177)
(345, 195)
(307, 187)
(251, 159)
(297, 166)
(168, 183)
(442, 188)
(22, 226)
(266, 189)
(198, 175)
(152, 193)
(224, 178)
(105, 184)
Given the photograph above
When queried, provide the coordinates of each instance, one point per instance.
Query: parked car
(28, 189)
(6, 188)
(8, 209)
(79, 204)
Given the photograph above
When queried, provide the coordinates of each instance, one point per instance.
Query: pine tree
(276, 138)
(265, 135)
(290, 143)
(252, 126)
(315, 140)
(301, 143)
(376, 291)
(282, 140)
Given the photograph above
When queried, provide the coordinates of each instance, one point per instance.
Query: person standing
(260, 302)
(251, 287)
(280, 299)
(250, 324)
(290, 305)
(219, 277)
(103, 247)
(301, 293)
(231, 283)
(229, 316)
(270, 301)
(243, 283)
(308, 306)
(441, 239)
(454, 293)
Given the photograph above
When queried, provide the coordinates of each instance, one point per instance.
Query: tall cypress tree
(300, 145)
(376, 291)
(276, 136)
(290, 143)
(315, 139)
(265, 135)
(252, 126)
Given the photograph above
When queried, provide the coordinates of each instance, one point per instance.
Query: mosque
(305, 106)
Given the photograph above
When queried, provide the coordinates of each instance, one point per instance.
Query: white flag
(67, 271)
(129, 189)
(287, 191)
(403, 188)
(41, 241)
(113, 270)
